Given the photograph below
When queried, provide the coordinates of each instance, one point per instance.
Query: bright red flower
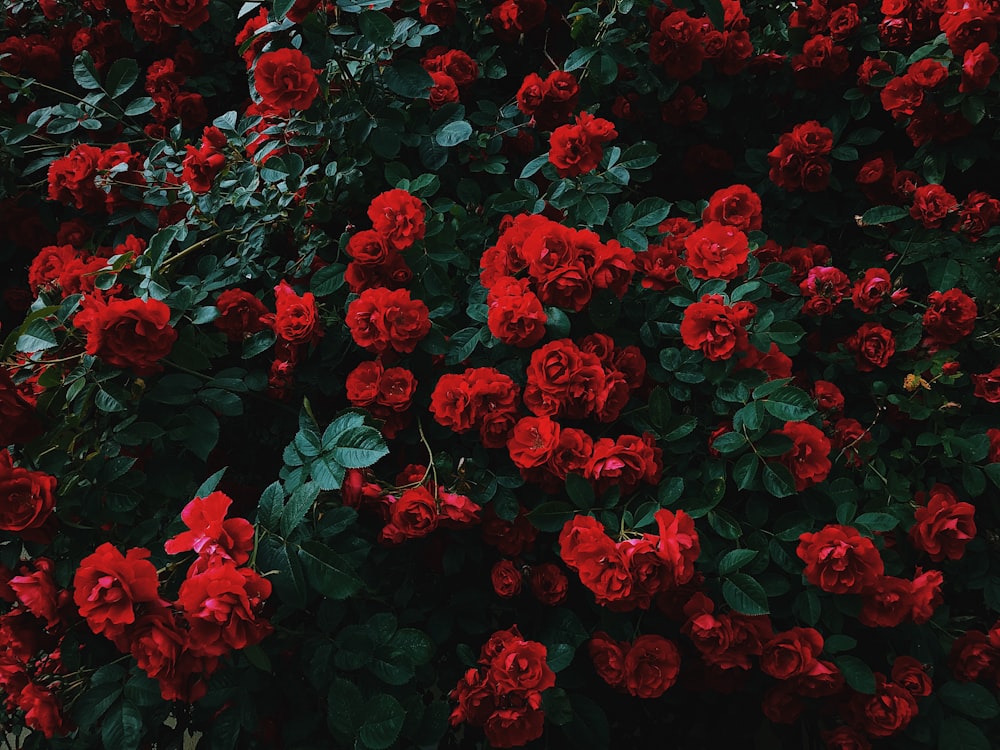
(713, 328)
(285, 80)
(839, 560)
(944, 526)
(809, 457)
(27, 498)
(398, 217)
(210, 534)
(652, 665)
(222, 605)
(130, 334)
(110, 589)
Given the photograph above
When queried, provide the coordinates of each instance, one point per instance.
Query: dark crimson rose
(188, 14)
(978, 66)
(456, 511)
(396, 388)
(603, 569)
(928, 73)
(871, 290)
(18, 421)
(42, 710)
(839, 560)
(845, 738)
(791, 653)
(36, 590)
(950, 317)
(887, 712)
(515, 315)
(716, 251)
(987, 385)
(511, 18)
(925, 594)
(737, 206)
(438, 12)
(624, 462)
(158, 642)
(285, 80)
(828, 397)
(872, 345)
(993, 434)
(451, 402)
(210, 534)
(887, 603)
(296, 319)
(652, 664)
(368, 247)
(506, 579)
(519, 723)
(443, 91)
(909, 673)
(300, 9)
(944, 526)
(823, 289)
(713, 328)
(548, 583)
(71, 179)
(573, 151)
(240, 314)
(222, 605)
(27, 497)
(608, 656)
(809, 458)
(110, 588)
(931, 205)
(973, 656)
(782, 704)
(200, 168)
(130, 334)
(398, 217)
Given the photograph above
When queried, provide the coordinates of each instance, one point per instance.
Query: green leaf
(556, 323)
(578, 58)
(140, 106)
(142, 691)
(85, 73)
(359, 448)
(735, 559)
(258, 342)
(877, 521)
(580, 491)
(453, 133)
(639, 156)
(778, 480)
(745, 470)
(36, 337)
(957, 733)
(550, 516)
(269, 509)
(790, 404)
(344, 709)
(328, 572)
(559, 656)
(534, 165)
(408, 78)
(593, 210)
(745, 594)
(383, 720)
(670, 491)
(883, 215)
(376, 27)
(122, 76)
(857, 673)
(415, 643)
(729, 442)
(95, 702)
(122, 727)
(209, 485)
(281, 7)
(970, 699)
(298, 505)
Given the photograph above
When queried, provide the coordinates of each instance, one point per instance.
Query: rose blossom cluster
(71, 268)
(547, 582)
(217, 609)
(132, 334)
(724, 640)
(376, 254)
(645, 668)
(578, 148)
(798, 161)
(452, 72)
(841, 561)
(503, 695)
(481, 398)
(627, 574)
(92, 179)
(975, 655)
(681, 43)
(31, 640)
(564, 267)
(27, 499)
(549, 101)
(386, 392)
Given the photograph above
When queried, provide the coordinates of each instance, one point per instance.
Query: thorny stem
(431, 468)
(190, 249)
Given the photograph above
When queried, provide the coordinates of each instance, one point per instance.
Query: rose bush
(430, 374)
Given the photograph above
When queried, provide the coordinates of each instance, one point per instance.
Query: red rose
(928, 73)
(603, 569)
(823, 289)
(519, 723)
(712, 327)
(42, 710)
(887, 712)
(443, 91)
(532, 441)
(809, 457)
(36, 590)
(240, 314)
(872, 345)
(944, 526)
(782, 705)
(438, 12)
(515, 315)
(839, 560)
(573, 151)
(716, 251)
(871, 290)
(887, 603)
(200, 168)
(18, 421)
(978, 66)
(285, 80)
(608, 656)
(71, 179)
(296, 319)
(624, 462)
(736, 206)
(520, 666)
(925, 594)
(222, 605)
(987, 385)
(613, 267)
(678, 544)
(382, 319)
(506, 579)
(210, 534)
(398, 217)
(845, 738)
(931, 205)
(129, 334)
(413, 515)
(828, 397)
(396, 388)
(950, 316)
(188, 14)
(548, 584)
(910, 674)
(992, 434)
(27, 497)
(158, 642)
(652, 665)
(109, 588)
(791, 653)
(973, 656)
